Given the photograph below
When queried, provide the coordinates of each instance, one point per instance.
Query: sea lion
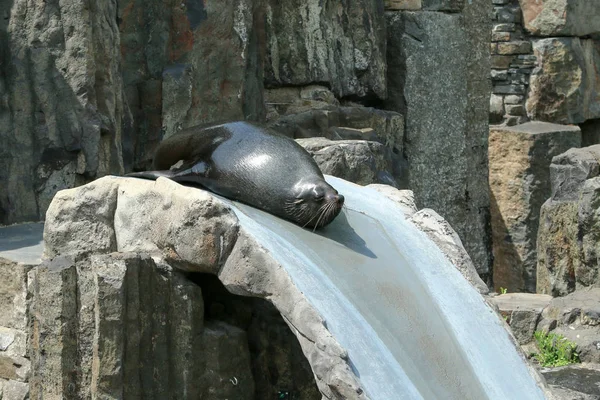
(251, 164)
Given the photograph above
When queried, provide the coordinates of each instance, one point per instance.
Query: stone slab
(561, 17)
(519, 161)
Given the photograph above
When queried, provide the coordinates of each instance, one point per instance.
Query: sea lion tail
(151, 174)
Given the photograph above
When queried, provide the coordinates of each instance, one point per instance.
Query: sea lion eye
(319, 197)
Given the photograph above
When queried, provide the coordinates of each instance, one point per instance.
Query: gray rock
(357, 65)
(561, 17)
(117, 202)
(519, 160)
(13, 295)
(176, 73)
(13, 342)
(124, 349)
(62, 102)
(568, 230)
(565, 85)
(298, 117)
(453, 185)
(54, 333)
(14, 390)
(574, 382)
(522, 312)
(577, 317)
(358, 161)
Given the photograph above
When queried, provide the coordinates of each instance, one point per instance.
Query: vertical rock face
(561, 17)
(61, 101)
(565, 85)
(568, 235)
(187, 63)
(341, 44)
(115, 326)
(519, 160)
(446, 120)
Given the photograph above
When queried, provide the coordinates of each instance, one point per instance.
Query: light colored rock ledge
(192, 230)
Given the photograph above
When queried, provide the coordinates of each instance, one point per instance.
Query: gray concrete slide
(414, 328)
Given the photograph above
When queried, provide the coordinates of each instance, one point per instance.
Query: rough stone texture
(359, 161)
(13, 294)
(519, 161)
(445, 139)
(13, 390)
(561, 17)
(88, 344)
(314, 111)
(446, 238)
(341, 45)
(522, 312)
(577, 317)
(574, 382)
(104, 213)
(61, 101)
(565, 85)
(568, 232)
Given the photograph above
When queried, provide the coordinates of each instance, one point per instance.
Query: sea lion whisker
(314, 216)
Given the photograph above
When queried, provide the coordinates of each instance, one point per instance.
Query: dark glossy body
(251, 164)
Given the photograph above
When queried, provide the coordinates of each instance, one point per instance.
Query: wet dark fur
(251, 164)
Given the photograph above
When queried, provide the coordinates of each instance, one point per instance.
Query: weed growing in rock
(555, 350)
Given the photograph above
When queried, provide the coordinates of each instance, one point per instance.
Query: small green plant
(503, 290)
(555, 350)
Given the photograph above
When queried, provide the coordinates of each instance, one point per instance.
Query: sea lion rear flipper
(151, 174)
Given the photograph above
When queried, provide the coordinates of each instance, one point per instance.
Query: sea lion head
(313, 204)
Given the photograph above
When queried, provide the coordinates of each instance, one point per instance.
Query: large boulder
(561, 17)
(519, 161)
(445, 145)
(567, 244)
(359, 161)
(565, 85)
(577, 317)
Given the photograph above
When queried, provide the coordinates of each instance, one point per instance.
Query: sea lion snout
(335, 197)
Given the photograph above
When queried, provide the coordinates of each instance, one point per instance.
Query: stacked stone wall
(512, 61)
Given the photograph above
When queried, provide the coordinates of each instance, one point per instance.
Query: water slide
(414, 328)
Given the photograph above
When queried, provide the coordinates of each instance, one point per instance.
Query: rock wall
(91, 90)
(438, 63)
(545, 61)
(15, 364)
(567, 244)
(62, 107)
